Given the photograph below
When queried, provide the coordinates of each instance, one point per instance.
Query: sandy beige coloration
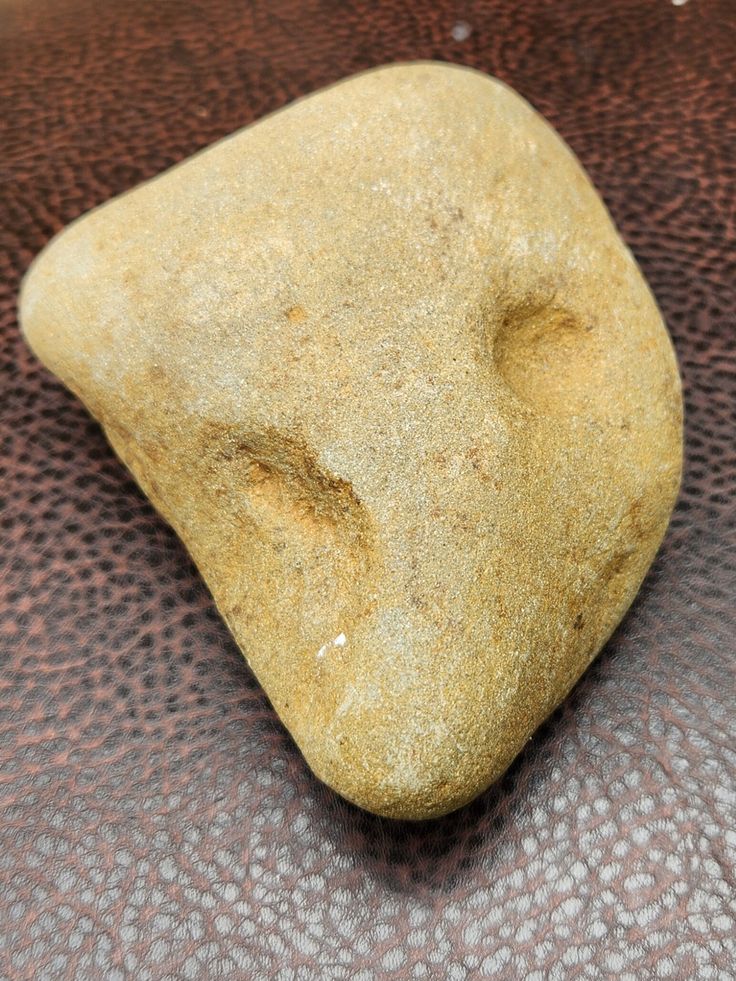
(385, 365)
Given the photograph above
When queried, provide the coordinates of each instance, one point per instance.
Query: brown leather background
(156, 821)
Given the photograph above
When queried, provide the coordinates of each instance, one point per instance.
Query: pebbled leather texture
(157, 822)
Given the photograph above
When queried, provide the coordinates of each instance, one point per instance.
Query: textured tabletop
(155, 819)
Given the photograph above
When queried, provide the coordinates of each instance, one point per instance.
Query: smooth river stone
(383, 362)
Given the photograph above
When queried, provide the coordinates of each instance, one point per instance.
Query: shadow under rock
(436, 855)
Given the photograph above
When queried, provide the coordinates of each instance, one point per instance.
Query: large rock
(385, 365)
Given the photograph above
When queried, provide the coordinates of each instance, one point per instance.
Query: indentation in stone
(545, 355)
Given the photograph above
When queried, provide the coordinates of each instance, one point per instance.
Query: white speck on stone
(679, 3)
(339, 641)
(461, 31)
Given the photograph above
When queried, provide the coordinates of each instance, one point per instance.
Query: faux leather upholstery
(156, 821)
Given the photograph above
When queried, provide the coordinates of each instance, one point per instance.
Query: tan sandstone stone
(383, 362)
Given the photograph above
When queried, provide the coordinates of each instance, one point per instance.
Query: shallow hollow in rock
(383, 362)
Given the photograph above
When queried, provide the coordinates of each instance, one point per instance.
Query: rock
(385, 365)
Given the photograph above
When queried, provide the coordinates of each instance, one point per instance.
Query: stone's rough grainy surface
(385, 365)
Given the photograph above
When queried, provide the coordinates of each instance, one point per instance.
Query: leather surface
(157, 822)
